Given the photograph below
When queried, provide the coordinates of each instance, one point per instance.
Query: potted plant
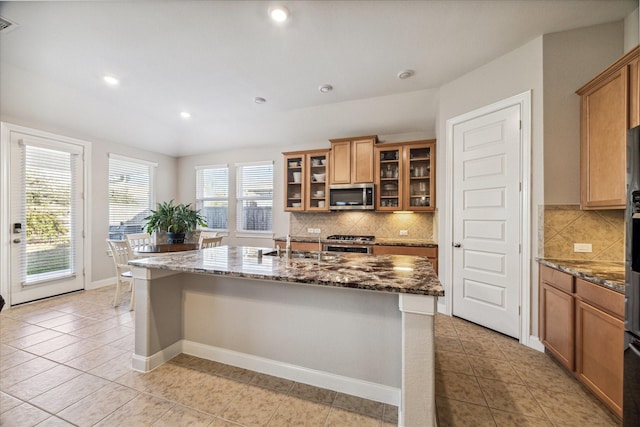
(176, 220)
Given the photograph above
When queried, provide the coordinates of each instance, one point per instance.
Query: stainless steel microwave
(344, 197)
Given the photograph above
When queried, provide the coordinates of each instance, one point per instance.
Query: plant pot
(173, 238)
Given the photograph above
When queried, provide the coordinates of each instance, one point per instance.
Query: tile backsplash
(565, 225)
(379, 224)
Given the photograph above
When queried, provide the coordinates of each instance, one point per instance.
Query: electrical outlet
(313, 230)
(404, 232)
(582, 247)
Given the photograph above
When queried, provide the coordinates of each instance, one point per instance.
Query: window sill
(255, 234)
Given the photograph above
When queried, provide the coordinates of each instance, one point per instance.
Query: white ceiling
(213, 57)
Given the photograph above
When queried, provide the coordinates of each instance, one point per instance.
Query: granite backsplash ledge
(379, 224)
(565, 225)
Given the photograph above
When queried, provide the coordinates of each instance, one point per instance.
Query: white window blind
(254, 196)
(50, 191)
(130, 195)
(212, 195)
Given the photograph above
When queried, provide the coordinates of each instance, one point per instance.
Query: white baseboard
(352, 386)
(101, 283)
(146, 364)
(535, 343)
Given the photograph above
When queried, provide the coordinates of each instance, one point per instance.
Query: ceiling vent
(6, 25)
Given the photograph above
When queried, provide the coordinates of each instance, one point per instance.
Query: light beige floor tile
(510, 397)
(185, 417)
(55, 422)
(95, 358)
(143, 410)
(24, 415)
(15, 358)
(315, 394)
(274, 383)
(483, 348)
(459, 387)
(72, 351)
(299, 412)
(453, 413)
(253, 406)
(43, 315)
(235, 373)
(68, 393)
(343, 418)
(23, 371)
(551, 377)
(57, 321)
(360, 405)
(172, 382)
(40, 383)
(452, 361)
(220, 422)
(95, 328)
(97, 405)
(125, 343)
(8, 402)
(135, 380)
(113, 334)
(34, 339)
(114, 368)
(572, 409)
(6, 350)
(53, 344)
(497, 369)
(10, 335)
(74, 325)
(447, 343)
(210, 394)
(508, 419)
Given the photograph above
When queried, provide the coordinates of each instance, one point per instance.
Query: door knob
(16, 240)
(457, 245)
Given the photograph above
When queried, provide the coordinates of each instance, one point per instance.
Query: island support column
(417, 401)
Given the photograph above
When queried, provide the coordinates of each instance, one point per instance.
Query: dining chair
(120, 252)
(209, 242)
(137, 240)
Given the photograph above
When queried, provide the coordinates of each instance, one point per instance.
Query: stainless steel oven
(348, 243)
(346, 248)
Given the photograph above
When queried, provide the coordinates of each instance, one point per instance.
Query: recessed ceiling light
(405, 74)
(110, 80)
(185, 115)
(279, 13)
(259, 100)
(325, 88)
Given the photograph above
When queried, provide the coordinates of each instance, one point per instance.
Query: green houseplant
(176, 220)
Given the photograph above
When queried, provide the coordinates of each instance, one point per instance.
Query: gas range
(350, 238)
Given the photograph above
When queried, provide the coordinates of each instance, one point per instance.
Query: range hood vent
(6, 25)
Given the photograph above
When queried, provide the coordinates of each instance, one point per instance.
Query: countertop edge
(381, 242)
(565, 266)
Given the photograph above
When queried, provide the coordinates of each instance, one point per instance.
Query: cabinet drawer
(557, 279)
(605, 299)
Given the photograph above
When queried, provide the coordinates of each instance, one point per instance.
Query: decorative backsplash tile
(565, 225)
(379, 224)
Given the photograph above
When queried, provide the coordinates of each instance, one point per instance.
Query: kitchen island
(358, 324)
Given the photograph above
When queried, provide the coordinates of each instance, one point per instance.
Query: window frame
(200, 200)
(240, 199)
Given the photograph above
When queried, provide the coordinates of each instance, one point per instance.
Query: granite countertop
(385, 273)
(377, 241)
(609, 274)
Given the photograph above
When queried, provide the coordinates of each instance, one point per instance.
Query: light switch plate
(404, 232)
(313, 230)
(582, 247)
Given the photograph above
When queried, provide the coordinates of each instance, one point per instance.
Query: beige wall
(513, 73)
(571, 59)
(632, 30)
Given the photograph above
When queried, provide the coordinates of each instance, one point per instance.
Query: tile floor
(65, 361)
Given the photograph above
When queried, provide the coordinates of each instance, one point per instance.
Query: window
(212, 195)
(130, 195)
(254, 197)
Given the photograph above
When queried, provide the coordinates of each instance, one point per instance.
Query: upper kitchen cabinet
(306, 184)
(352, 160)
(609, 106)
(405, 176)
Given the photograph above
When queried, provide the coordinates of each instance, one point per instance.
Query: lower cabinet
(582, 326)
(429, 252)
(298, 246)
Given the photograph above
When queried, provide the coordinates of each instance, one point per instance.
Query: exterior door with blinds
(47, 217)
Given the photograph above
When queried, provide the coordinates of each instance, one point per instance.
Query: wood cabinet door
(634, 93)
(599, 353)
(340, 162)
(362, 161)
(557, 323)
(603, 143)
(294, 181)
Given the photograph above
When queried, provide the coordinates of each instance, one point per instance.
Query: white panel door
(47, 218)
(486, 228)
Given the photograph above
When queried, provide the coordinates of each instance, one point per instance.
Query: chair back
(120, 253)
(138, 240)
(209, 242)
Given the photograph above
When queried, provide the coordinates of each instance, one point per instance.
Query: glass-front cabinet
(306, 183)
(405, 176)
